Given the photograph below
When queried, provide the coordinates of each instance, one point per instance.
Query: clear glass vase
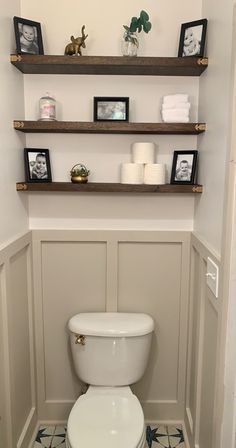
(130, 44)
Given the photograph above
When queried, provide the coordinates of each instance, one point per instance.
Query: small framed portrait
(111, 108)
(28, 36)
(184, 167)
(37, 165)
(192, 38)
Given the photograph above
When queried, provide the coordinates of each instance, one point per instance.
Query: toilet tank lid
(111, 324)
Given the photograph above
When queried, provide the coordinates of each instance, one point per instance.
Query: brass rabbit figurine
(76, 43)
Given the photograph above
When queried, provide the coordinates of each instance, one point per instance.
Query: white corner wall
(215, 99)
(14, 215)
(103, 154)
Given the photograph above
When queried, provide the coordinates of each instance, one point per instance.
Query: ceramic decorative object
(79, 173)
(130, 40)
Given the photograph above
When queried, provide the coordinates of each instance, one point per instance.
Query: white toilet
(110, 351)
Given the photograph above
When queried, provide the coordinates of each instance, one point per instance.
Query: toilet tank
(110, 349)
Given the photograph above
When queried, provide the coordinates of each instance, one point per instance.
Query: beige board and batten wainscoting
(136, 271)
(76, 271)
(202, 349)
(17, 367)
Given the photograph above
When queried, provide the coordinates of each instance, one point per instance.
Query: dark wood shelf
(83, 127)
(109, 65)
(92, 187)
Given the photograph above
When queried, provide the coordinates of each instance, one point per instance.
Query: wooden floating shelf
(109, 65)
(92, 187)
(83, 127)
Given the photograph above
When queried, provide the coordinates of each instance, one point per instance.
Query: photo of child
(28, 38)
(184, 167)
(192, 40)
(37, 165)
(111, 108)
(184, 171)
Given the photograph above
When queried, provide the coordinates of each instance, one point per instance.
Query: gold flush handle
(79, 339)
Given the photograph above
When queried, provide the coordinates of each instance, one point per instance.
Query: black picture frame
(192, 39)
(28, 36)
(184, 167)
(107, 108)
(35, 173)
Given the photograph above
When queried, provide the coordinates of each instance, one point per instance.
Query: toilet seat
(105, 418)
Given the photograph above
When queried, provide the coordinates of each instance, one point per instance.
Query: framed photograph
(184, 167)
(108, 108)
(192, 38)
(37, 165)
(28, 36)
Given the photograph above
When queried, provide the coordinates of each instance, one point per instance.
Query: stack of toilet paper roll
(143, 169)
(132, 173)
(154, 173)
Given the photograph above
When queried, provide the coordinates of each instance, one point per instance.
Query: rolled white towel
(175, 119)
(177, 98)
(180, 105)
(176, 114)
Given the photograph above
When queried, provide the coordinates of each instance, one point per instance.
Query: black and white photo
(111, 108)
(192, 38)
(28, 36)
(37, 165)
(184, 167)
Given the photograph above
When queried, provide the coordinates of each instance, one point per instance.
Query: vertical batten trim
(4, 273)
(112, 283)
(190, 339)
(31, 324)
(39, 336)
(183, 315)
(200, 339)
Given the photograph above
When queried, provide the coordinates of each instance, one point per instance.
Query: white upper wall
(214, 106)
(104, 19)
(13, 207)
(103, 154)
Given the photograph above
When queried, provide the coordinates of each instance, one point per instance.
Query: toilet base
(141, 445)
(105, 417)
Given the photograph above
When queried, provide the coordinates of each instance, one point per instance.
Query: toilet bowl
(110, 352)
(106, 418)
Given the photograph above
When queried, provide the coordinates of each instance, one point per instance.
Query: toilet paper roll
(154, 173)
(132, 173)
(143, 152)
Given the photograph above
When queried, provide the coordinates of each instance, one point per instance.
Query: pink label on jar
(47, 109)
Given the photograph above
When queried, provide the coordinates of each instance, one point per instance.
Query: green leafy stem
(138, 24)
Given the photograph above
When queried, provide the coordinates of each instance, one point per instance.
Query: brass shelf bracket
(15, 58)
(200, 127)
(202, 61)
(197, 189)
(21, 187)
(18, 124)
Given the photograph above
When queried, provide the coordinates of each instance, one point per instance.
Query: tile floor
(157, 437)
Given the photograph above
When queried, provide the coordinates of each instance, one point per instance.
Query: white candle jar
(47, 108)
